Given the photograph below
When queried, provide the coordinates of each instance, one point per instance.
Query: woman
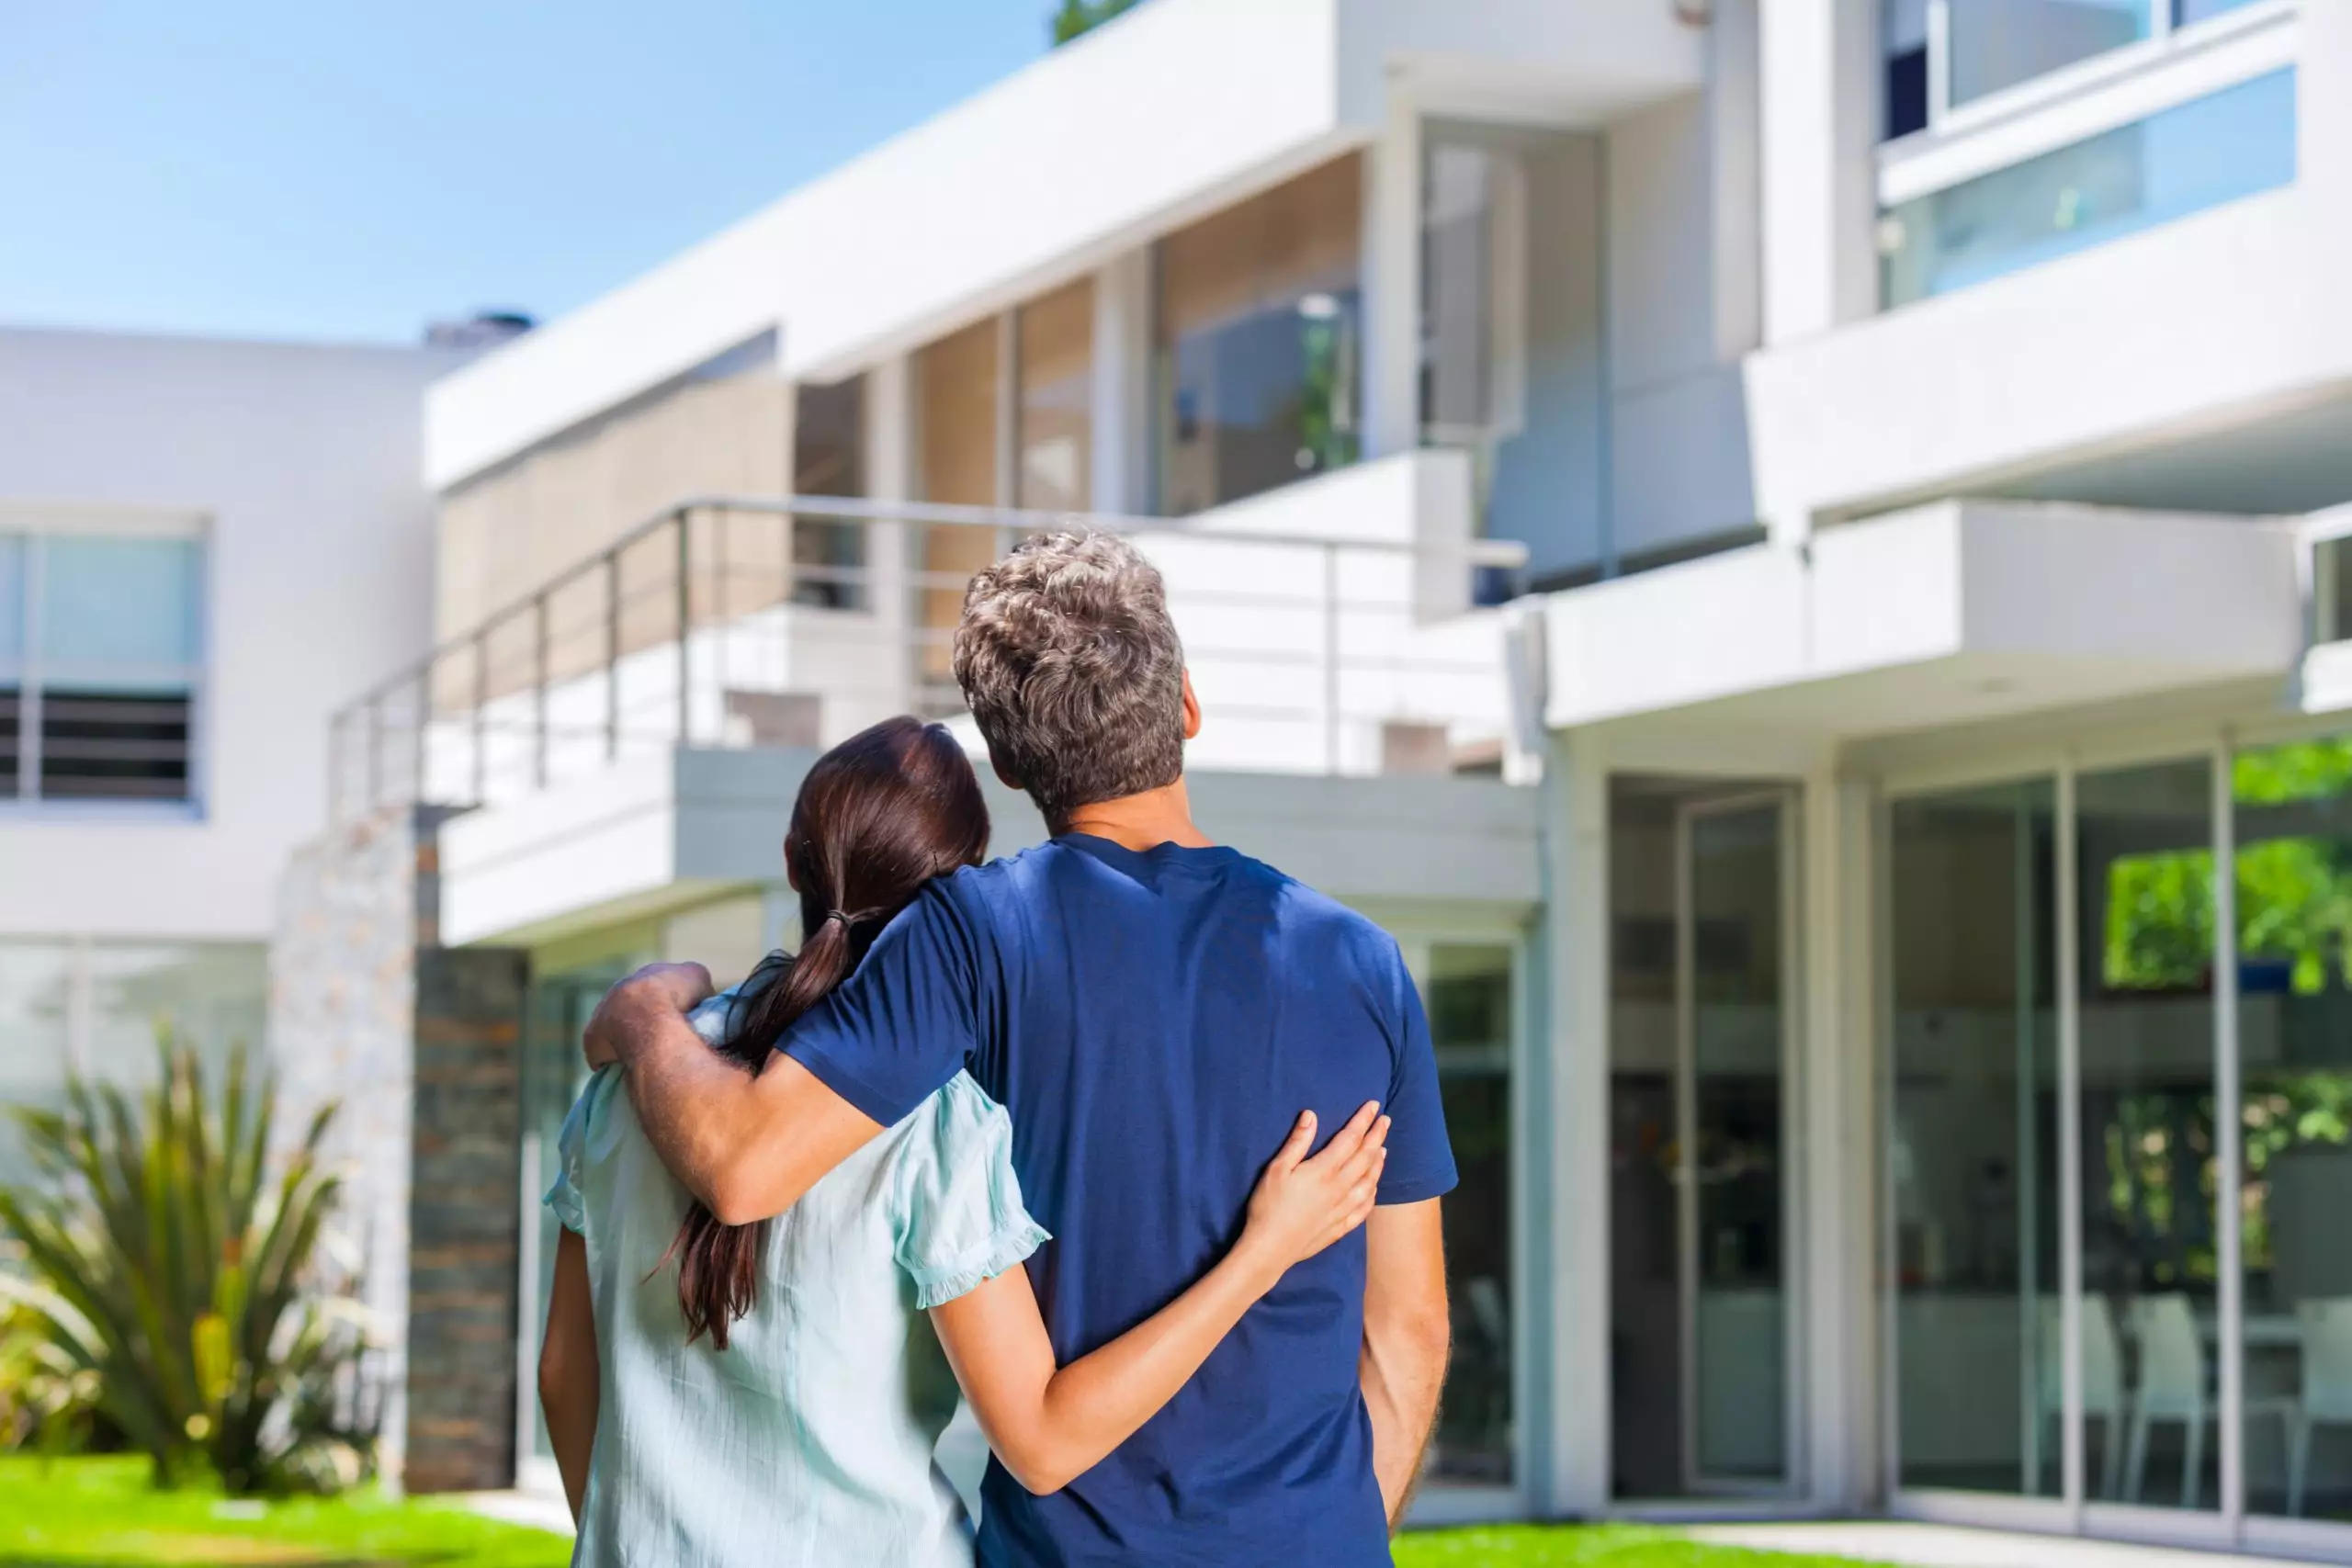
(721, 1396)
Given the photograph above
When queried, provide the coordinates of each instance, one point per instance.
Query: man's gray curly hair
(1073, 670)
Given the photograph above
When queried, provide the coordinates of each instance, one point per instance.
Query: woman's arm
(1050, 1425)
(567, 1372)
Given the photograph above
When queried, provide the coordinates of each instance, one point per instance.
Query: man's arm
(747, 1147)
(1406, 1334)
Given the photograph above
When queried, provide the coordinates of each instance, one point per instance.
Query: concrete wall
(504, 534)
(304, 463)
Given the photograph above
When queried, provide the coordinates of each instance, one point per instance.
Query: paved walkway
(1945, 1546)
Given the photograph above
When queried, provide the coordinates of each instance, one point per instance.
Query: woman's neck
(1144, 821)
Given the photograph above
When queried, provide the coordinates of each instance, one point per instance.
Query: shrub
(172, 1282)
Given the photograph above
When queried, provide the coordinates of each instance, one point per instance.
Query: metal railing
(737, 622)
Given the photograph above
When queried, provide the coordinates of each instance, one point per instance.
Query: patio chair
(2326, 1325)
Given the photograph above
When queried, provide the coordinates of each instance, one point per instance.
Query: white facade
(1909, 431)
(297, 470)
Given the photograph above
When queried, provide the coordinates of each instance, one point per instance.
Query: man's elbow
(735, 1197)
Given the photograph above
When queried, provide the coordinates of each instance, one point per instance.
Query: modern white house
(204, 547)
(1776, 544)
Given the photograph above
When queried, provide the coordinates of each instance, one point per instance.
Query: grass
(1590, 1546)
(101, 1513)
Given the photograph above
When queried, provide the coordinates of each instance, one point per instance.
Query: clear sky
(348, 169)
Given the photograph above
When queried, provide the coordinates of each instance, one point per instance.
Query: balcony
(1328, 628)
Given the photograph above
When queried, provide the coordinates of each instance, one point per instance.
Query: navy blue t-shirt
(1154, 1023)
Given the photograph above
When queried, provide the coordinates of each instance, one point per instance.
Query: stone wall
(342, 994)
(464, 1217)
(421, 1045)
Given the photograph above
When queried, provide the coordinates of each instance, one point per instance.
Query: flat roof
(1175, 109)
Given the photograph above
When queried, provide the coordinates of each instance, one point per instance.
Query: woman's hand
(1302, 1205)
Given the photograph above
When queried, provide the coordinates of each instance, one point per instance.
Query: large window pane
(36, 980)
(828, 458)
(2294, 891)
(1470, 1023)
(1257, 329)
(2145, 862)
(215, 996)
(1974, 1157)
(2232, 143)
(117, 604)
(956, 380)
(1998, 43)
(1057, 431)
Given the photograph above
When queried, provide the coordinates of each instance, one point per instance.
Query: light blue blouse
(796, 1444)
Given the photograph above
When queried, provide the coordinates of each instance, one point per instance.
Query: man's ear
(1003, 774)
(1192, 709)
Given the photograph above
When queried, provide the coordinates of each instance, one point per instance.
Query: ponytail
(719, 1266)
(878, 816)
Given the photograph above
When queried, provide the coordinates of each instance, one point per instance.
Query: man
(1152, 1010)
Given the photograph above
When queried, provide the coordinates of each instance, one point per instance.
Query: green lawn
(101, 1513)
(1596, 1546)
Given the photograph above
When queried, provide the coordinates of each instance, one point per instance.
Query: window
(96, 1007)
(2199, 154)
(1256, 362)
(1056, 359)
(1999, 43)
(101, 660)
(1468, 998)
(828, 458)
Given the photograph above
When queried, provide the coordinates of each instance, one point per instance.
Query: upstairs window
(101, 665)
(1258, 313)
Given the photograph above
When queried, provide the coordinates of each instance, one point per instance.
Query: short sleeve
(563, 1199)
(960, 1214)
(890, 1035)
(1420, 1156)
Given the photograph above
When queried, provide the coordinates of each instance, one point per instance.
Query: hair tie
(831, 915)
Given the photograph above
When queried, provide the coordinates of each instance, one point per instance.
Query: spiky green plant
(173, 1266)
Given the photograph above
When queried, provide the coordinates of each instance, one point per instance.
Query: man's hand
(654, 994)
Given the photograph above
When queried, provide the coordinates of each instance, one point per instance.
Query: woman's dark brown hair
(880, 815)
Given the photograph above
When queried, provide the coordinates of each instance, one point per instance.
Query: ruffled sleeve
(960, 1217)
(563, 1199)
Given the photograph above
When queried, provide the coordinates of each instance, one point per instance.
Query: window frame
(28, 669)
(2176, 64)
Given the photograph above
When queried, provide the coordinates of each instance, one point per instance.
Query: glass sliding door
(2144, 941)
(1974, 1146)
(1733, 1108)
(2292, 808)
(1469, 992)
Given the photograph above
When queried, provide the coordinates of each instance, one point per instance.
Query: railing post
(685, 625)
(424, 729)
(539, 692)
(612, 655)
(375, 750)
(1331, 657)
(482, 714)
(335, 740)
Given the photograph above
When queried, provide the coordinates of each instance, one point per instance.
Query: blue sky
(348, 169)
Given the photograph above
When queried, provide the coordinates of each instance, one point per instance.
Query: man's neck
(1140, 822)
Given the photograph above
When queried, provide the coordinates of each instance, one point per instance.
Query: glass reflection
(2145, 862)
(1974, 1151)
(2293, 811)
(1470, 1024)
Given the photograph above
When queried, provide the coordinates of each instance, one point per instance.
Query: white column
(1734, 175)
(1568, 1465)
(1819, 110)
(1123, 408)
(1818, 113)
(1835, 1127)
(889, 477)
(2324, 114)
(1392, 282)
